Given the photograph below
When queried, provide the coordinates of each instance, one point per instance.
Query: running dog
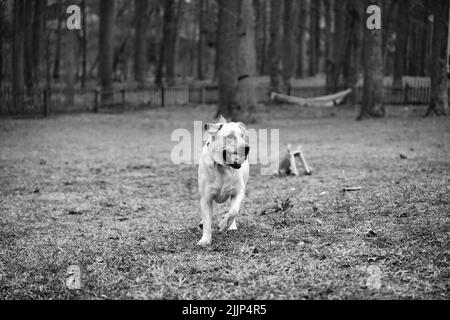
(223, 174)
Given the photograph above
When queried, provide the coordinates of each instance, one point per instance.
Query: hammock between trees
(323, 101)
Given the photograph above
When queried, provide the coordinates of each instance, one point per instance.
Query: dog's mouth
(234, 165)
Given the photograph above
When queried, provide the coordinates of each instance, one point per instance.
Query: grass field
(99, 191)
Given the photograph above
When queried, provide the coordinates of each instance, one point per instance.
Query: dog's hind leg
(229, 220)
(206, 208)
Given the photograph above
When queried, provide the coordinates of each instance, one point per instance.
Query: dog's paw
(225, 224)
(204, 242)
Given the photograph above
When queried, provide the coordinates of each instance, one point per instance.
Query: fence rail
(46, 101)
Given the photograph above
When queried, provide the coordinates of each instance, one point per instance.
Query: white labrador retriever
(223, 173)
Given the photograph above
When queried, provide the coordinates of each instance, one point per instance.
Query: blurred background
(230, 52)
(99, 193)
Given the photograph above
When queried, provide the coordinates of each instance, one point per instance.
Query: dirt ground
(100, 192)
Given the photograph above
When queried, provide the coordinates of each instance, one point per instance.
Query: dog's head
(228, 144)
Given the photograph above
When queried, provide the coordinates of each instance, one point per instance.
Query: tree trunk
(18, 79)
(314, 37)
(301, 39)
(266, 47)
(106, 48)
(290, 36)
(70, 52)
(28, 45)
(38, 30)
(83, 45)
(261, 34)
(354, 38)
(401, 43)
(429, 45)
(211, 26)
(415, 45)
(170, 39)
(57, 61)
(176, 39)
(246, 88)
(227, 56)
(372, 103)
(389, 7)
(120, 57)
(337, 56)
(166, 63)
(48, 52)
(422, 18)
(189, 63)
(331, 48)
(140, 40)
(276, 36)
(201, 39)
(2, 32)
(439, 59)
(160, 66)
(409, 50)
(423, 43)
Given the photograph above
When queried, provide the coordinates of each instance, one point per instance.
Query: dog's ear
(289, 148)
(297, 151)
(213, 128)
(221, 119)
(243, 127)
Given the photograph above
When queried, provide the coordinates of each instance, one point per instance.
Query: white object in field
(299, 153)
(351, 189)
(73, 280)
(288, 164)
(324, 101)
(373, 282)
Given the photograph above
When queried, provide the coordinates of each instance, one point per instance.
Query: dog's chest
(224, 187)
(225, 192)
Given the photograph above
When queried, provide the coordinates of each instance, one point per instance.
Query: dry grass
(99, 191)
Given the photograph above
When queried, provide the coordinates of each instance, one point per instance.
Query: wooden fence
(45, 101)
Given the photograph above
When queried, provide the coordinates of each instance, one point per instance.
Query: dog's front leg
(229, 219)
(206, 208)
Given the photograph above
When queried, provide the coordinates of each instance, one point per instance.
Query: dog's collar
(214, 163)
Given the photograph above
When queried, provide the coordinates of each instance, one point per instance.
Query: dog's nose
(247, 150)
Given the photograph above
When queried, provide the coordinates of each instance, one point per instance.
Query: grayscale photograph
(237, 150)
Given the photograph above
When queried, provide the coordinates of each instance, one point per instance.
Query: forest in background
(237, 44)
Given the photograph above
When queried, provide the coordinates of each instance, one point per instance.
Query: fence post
(46, 96)
(406, 94)
(203, 93)
(96, 93)
(162, 97)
